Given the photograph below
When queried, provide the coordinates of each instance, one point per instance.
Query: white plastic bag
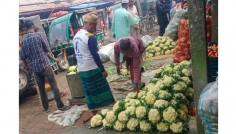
(105, 52)
(172, 28)
(208, 100)
(208, 107)
(112, 57)
(146, 39)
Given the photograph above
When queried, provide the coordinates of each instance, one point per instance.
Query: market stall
(191, 40)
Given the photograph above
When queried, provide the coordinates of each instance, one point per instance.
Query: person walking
(134, 30)
(35, 51)
(162, 16)
(96, 88)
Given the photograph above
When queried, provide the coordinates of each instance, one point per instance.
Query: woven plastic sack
(105, 52)
(146, 39)
(208, 108)
(172, 28)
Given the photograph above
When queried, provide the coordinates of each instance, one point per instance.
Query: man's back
(122, 20)
(34, 49)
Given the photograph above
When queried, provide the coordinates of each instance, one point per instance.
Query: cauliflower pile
(160, 46)
(161, 106)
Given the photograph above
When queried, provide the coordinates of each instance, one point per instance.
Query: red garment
(208, 9)
(137, 48)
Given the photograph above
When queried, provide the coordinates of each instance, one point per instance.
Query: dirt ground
(32, 120)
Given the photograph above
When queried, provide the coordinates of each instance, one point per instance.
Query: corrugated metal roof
(41, 6)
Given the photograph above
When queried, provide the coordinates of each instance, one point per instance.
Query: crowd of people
(124, 24)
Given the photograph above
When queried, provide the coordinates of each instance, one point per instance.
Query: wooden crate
(157, 57)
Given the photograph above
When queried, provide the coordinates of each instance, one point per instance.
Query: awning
(95, 4)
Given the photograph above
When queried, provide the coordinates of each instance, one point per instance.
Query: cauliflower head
(169, 114)
(130, 110)
(176, 127)
(96, 121)
(119, 126)
(145, 126)
(118, 106)
(132, 124)
(140, 112)
(173, 102)
(104, 112)
(186, 72)
(182, 115)
(141, 94)
(123, 117)
(150, 98)
(154, 115)
(157, 73)
(179, 97)
(185, 62)
(110, 117)
(189, 93)
(161, 104)
(187, 81)
(183, 107)
(132, 95)
(179, 87)
(163, 95)
(163, 127)
(168, 81)
(184, 86)
(160, 85)
(149, 86)
(105, 123)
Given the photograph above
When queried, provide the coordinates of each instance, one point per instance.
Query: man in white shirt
(134, 30)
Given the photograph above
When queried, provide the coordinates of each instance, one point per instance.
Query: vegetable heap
(182, 48)
(213, 51)
(160, 46)
(161, 105)
(73, 70)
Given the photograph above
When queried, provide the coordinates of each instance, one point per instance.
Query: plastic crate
(212, 66)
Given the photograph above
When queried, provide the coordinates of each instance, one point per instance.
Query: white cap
(124, 1)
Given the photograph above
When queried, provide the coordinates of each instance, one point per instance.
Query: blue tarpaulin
(95, 4)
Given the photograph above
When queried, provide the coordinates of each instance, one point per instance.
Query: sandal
(64, 108)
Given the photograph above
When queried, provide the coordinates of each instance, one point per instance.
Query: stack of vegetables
(72, 70)
(182, 48)
(161, 106)
(213, 51)
(160, 46)
(208, 26)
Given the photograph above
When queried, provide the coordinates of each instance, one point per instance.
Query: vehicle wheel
(23, 80)
(63, 65)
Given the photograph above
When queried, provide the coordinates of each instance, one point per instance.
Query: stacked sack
(182, 49)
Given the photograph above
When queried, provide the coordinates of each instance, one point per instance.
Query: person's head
(131, 3)
(91, 22)
(29, 25)
(36, 29)
(125, 46)
(125, 4)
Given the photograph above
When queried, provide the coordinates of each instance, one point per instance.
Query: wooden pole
(197, 18)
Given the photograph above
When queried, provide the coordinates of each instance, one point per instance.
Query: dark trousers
(40, 79)
(109, 22)
(163, 26)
